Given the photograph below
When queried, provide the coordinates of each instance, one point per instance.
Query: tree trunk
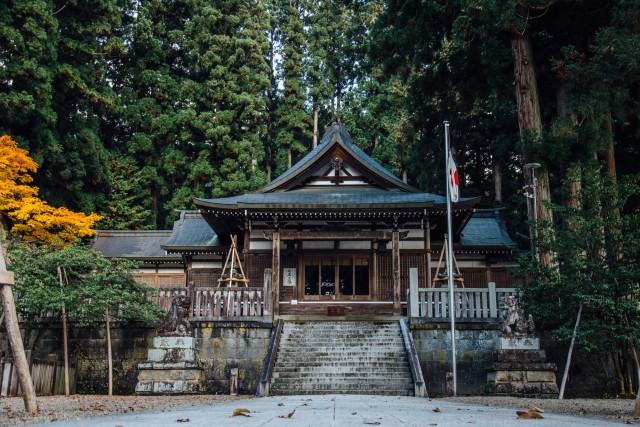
(530, 122)
(609, 154)
(497, 181)
(14, 338)
(315, 126)
(109, 357)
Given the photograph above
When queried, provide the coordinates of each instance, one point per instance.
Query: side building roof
(144, 245)
(486, 230)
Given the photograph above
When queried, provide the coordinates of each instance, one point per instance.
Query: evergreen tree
(292, 121)
(227, 61)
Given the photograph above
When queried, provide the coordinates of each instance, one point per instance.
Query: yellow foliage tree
(32, 217)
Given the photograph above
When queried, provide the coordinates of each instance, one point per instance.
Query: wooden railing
(229, 303)
(165, 296)
(469, 303)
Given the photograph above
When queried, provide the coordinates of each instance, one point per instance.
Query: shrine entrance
(336, 277)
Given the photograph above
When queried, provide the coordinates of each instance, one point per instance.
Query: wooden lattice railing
(469, 303)
(220, 303)
(211, 303)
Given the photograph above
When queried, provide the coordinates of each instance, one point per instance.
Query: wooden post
(414, 311)
(65, 339)
(233, 382)
(493, 301)
(15, 340)
(109, 356)
(275, 272)
(397, 308)
(566, 366)
(427, 242)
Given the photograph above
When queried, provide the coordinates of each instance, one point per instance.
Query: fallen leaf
(370, 421)
(538, 410)
(437, 409)
(183, 420)
(241, 411)
(289, 415)
(98, 407)
(529, 415)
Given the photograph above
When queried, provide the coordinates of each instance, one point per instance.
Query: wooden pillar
(275, 271)
(246, 248)
(397, 308)
(427, 251)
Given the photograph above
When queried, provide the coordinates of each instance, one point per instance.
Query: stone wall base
(522, 373)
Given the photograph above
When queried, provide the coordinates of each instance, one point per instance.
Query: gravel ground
(609, 409)
(53, 408)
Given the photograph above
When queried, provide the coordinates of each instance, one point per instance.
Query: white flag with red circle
(454, 181)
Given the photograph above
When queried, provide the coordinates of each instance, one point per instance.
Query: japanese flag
(454, 182)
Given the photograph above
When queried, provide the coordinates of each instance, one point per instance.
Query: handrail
(265, 378)
(414, 362)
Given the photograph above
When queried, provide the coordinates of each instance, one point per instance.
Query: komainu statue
(513, 322)
(175, 323)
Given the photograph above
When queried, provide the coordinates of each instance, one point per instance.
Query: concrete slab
(334, 410)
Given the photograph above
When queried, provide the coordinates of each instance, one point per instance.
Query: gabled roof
(336, 136)
(137, 245)
(191, 233)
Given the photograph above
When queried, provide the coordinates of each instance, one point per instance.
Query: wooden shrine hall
(335, 234)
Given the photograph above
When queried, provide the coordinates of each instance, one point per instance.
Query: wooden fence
(228, 303)
(47, 376)
(220, 303)
(469, 303)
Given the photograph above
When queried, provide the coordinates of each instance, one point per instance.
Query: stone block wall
(475, 343)
(223, 347)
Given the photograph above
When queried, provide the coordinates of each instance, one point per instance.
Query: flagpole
(450, 260)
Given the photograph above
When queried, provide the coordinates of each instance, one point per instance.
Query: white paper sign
(289, 276)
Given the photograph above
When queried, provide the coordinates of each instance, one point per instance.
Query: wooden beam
(275, 272)
(397, 308)
(335, 235)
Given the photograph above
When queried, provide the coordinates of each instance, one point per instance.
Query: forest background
(131, 108)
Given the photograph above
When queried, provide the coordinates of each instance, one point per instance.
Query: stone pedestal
(520, 369)
(172, 368)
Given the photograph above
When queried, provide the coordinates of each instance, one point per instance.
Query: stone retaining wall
(221, 347)
(475, 343)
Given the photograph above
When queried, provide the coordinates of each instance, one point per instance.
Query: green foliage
(92, 284)
(596, 264)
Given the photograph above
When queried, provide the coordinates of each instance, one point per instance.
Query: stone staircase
(342, 358)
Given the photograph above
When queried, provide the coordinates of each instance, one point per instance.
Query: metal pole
(452, 313)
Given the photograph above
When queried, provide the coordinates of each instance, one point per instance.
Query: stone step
(343, 385)
(330, 376)
(310, 368)
(347, 355)
(345, 343)
(344, 389)
(342, 357)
